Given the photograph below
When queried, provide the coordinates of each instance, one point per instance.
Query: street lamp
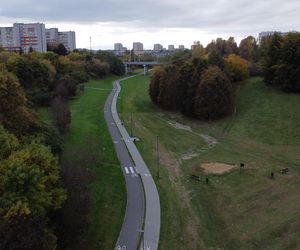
(157, 154)
(131, 134)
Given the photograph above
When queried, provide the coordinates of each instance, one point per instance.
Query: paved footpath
(137, 177)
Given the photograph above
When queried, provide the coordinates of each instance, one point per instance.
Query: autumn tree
(29, 192)
(237, 68)
(248, 48)
(15, 115)
(214, 96)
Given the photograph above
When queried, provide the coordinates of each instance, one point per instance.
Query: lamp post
(157, 155)
(131, 134)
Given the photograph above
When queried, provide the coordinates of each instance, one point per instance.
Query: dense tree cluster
(199, 83)
(282, 61)
(29, 193)
(31, 190)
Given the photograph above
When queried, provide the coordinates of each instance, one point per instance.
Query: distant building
(181, 47)
(119, 50)
(157, 47)
(52, 35)
(67, 38)
(34, 36)
(171, 47)
(118, 46)
(30, 36)
(9, 40)
(138, 48)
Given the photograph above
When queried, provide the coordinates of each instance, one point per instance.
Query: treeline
(201, 83)
(31, 187)
(282, 62)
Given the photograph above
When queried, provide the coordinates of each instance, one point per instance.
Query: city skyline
(164, 22)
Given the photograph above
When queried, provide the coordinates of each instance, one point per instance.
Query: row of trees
(282, 61)
(198, 84)
(193, 85)
(31, 192)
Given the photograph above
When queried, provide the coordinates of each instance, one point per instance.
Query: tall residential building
(157, 47)
(171, 47)
(181, 47)
(32, 36)
(67, 38)
(138, 48)
(52, 35)
(9, 39)
(118, 46)
(24, 37)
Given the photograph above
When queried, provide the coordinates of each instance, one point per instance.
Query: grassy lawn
(107, 188)
(235, 210)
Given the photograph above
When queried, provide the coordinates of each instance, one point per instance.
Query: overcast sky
(157, 21)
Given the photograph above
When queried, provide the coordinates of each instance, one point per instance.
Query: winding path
(142, 217)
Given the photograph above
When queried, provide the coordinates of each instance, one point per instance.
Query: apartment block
(138, 48)
(67, 38)
(9, 39)
(157, 47)
(171, 47)
(34, 36)
(52, 35)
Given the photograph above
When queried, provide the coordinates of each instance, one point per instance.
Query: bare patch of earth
(217, 167)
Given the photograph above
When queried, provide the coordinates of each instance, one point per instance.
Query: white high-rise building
(181, 47)
(24, 37)
(67, 38)
(157, 47)
(32, 36)
(118, 46)
(171, 47)
(9, 39)
(52, 35)
(138, 48)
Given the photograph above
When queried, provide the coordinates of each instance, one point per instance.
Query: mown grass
(107, 190)
(236, 210)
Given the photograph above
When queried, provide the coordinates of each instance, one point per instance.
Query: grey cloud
(217, 16)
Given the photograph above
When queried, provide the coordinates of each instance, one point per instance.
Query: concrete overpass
(141, 63)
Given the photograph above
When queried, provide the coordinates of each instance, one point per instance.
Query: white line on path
(126, 170)
(131, 169)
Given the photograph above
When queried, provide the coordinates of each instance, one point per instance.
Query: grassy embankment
(246, 210)
(106, 189)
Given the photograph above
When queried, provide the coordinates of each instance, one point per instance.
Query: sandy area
(216, 167)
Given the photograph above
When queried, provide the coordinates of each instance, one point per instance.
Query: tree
(29, 191)
(154, 88)
(282, 67)
(15, 115)
(237, 68)
(61, 114)
(214, 96)
(215, 58)
(248, 48)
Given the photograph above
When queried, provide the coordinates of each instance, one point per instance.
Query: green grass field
(235, 210)
(107, 189)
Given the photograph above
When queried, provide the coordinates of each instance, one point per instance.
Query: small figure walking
(272, 175)
(207, 180)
